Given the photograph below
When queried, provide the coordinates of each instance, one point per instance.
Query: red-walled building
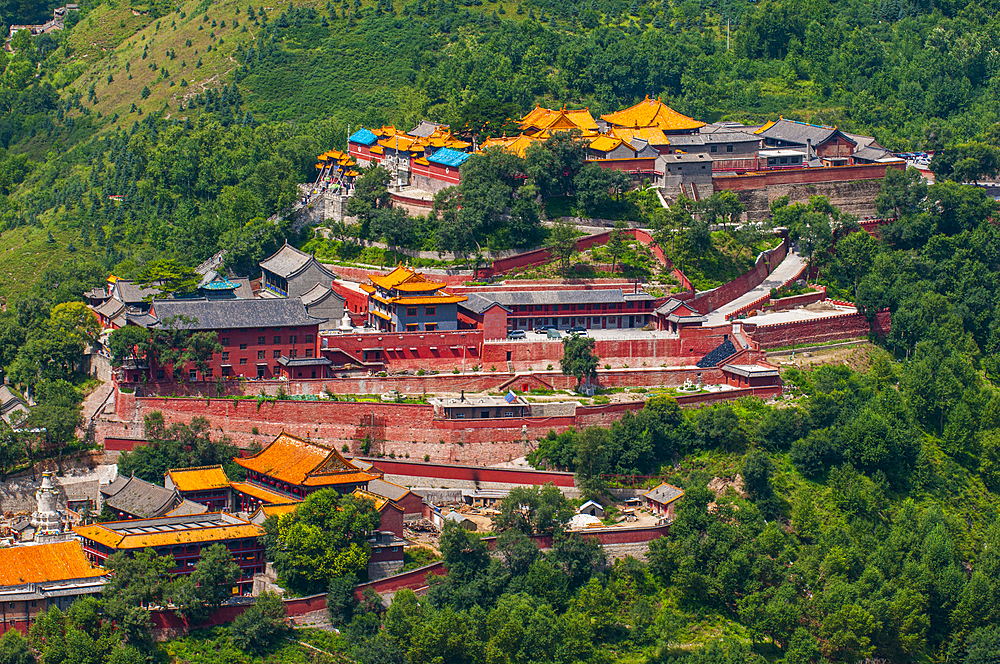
(260, 338)
(183, 537)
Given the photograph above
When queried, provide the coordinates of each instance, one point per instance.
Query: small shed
(460, 519)
(593, 508)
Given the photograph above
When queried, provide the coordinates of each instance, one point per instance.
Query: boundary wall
(845, 326)
(743, 284)
(801, 176)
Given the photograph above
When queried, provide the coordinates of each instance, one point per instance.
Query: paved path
(787, 270)
(92, 403)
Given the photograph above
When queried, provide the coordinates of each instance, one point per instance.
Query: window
(193, 374)
(243, 360)
(430, 311)
(159, 374)
(411, 327)
(208, 374)
(260, 355)
(224, 341)
(459, 416)
(261, 370)
(309, 338)
(508, 413)
(243, 346)
(225, 355)
(293, 353)
(293, 339)
(714, 148)
(277, 370)
(411, 311)
(309, 352)
(729, 148)
(277, 339)
(276, 353)
(430, 327)
(783, 160)
(261, 341)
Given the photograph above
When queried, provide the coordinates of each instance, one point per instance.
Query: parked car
(554, 334)
(543, 329)
(516, 334)
(579, 330)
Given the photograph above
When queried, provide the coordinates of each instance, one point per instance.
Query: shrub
(255, 431)
(427, 457)
(261, 626)
(345, 448)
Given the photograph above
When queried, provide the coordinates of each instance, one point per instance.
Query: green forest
(867, 522)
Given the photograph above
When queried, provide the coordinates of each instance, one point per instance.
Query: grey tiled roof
(792, 131)
(870, 153)
(110, 307)
(478, 303)
(243, 289)
(303, 361)
(425, 129)
(317, 294)
(233, 314)
(143, 499)
(664, 493)
(131, 293)
(731, 137)
(289, 261)
(388, 490)
(516, 298)
(188, 507)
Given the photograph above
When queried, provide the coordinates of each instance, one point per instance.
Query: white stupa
(345, 323)
(47, 519)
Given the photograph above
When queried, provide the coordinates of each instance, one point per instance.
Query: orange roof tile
(260, 493)
(376, 149)
(299, 462)
(199, 478)
(400, 141)
(558, 119)
(422, 161)
(405, 279)
(436, 299)
(59, 561)
(380, 501)
(652, 113)
(334, 480)
(652, 135)
(767, 125)
(605, 143)
(116, 541)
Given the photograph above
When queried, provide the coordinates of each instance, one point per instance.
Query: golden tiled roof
(124, 540)
(433, 299)
(278, 510)
(260, 493)
(199, 478)
(401, 142)
(335, 480)
(60, 561)
(558, 120)
(299, 462)
(605, 143)
(652, 135)
(405, 279)
(380, 502)
(652, 113)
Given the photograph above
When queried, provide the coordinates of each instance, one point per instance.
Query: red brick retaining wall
(742, 284)
(801, 176)
(833, 328)
(472, 473)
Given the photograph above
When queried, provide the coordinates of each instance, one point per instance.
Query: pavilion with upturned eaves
(293, 468)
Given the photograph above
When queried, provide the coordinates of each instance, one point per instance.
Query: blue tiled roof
(363, 136)
(448, 157)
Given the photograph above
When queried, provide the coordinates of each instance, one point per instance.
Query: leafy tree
(168, 276)
(553, 164)
(57, 410)
(561, 243)
(178, 445)
(534, 510)
(901, 192)
(14, 649)
(11, 450)
(616, 246)
(325, 538)
(128, 344)
(371, 193)
(203, 592)
(260, 627)
(855, 256)
(136, 582)
(579, 359)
